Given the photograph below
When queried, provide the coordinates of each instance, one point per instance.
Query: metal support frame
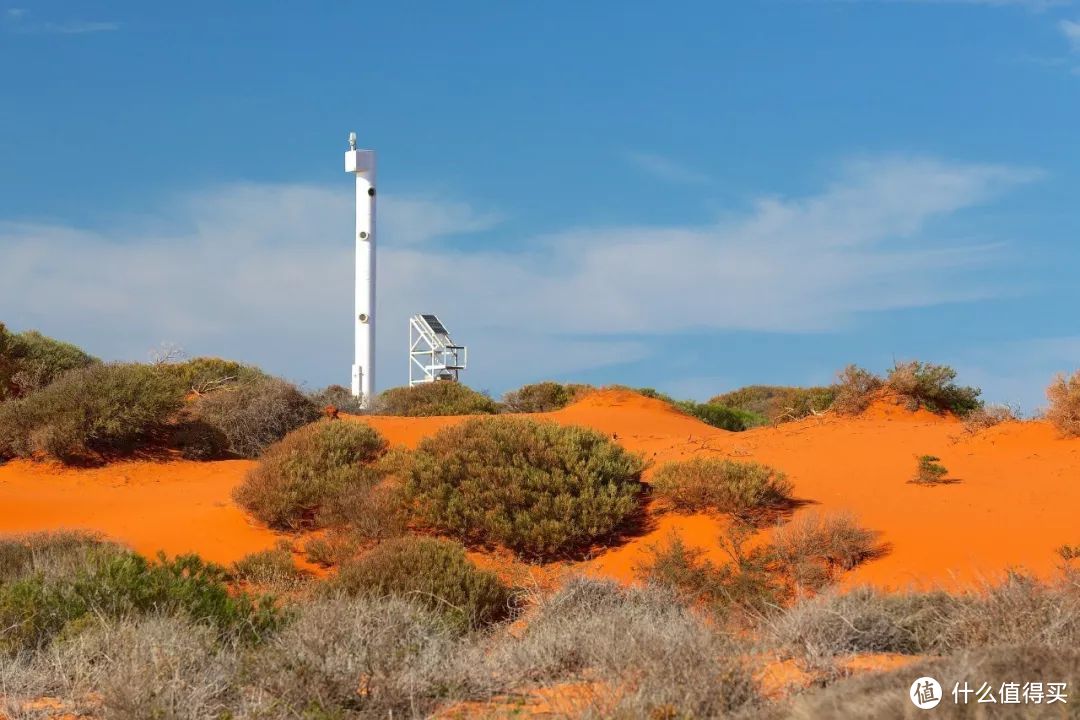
(433, 355)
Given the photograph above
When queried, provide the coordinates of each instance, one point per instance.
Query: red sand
(1019, 485)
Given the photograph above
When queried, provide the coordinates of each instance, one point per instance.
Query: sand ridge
(1012, 505)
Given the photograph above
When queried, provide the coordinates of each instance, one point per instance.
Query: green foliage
(777, 403)
(437, 398)
(35, 607)
(542, 397)
(540, 489)
(930, 471)
(432, 572)
(931, 386)
(745, 489)
(1064, 410)
(255, 413)
(299, 474)
(207, 374)
(720, 416)
(101, 408)
(30, 360)
(273, 567)
(855, 390)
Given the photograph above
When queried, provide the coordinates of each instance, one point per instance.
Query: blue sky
(694, 196)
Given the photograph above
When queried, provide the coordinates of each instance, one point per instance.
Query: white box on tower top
(359, 161)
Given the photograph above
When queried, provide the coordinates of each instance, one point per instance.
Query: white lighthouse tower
(361, 163)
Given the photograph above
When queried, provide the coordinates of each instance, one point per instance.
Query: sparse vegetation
(437, 398)
(988, 416)
(542, 397)
(204, 375)
(778, 403)
(100, 409)
(855, 390)
(930, 471)
(813, 548)
(253, 414)
(540, 489)
(303, 472)
(1064, 410)
(720, 416)
(272, 568)
(925, 385)
(745, 489)
(29, 361)
(432, 572)
(339, 397)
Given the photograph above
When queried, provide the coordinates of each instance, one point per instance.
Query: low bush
(542, 397)
(98, 409)
(1064, 410)
(925, 385)
(813, 548)
(273, 567)
(855, 390)
(437, 398)
(541, 489)
(301, 473)
(720, 416)
(628, 653)
(745, 489)
(363, 657)
(778, 403)
(256, 413)
(988, 416)
(338, 397)
(203, 375)
(36, 607)
(432, 572)
(930, 471)
(30, 361)
(748, 583)
(53, 553)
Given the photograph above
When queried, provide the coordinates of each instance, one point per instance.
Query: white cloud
(1071, 30)
(665, 169)
(264, 273)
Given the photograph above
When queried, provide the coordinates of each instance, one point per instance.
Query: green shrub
(49, 553)
(273, 567)
(35, 608)
(856, 388)
(437, 398)
(30, 361)
(1064, 410)
(744, 489)
(339, 397)
(931, 386)
(541, 489)
(542, 397)
(432, 572)
(101, 408)
(778, 403)
(299, 474)
(930, 471)
(720, 416)
(208, 374)
(256, 413)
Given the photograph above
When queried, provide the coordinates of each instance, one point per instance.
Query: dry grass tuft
(1064, 410)
(744, 489)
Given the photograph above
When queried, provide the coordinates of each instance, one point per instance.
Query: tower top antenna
(352, 141)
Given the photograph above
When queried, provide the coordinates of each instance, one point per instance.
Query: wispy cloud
(665, 169)
(1071, 30)
(244, 267)
(18, 21)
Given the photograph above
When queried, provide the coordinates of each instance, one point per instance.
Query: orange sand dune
(177, 507)
(1014, 502)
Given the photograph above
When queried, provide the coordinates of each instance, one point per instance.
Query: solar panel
(437, 327)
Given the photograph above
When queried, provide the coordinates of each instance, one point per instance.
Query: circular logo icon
(925, 693)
